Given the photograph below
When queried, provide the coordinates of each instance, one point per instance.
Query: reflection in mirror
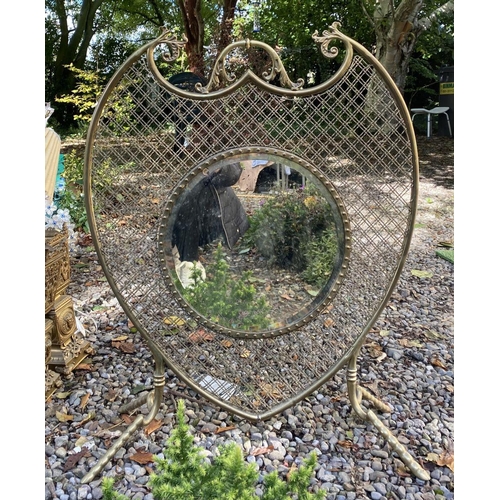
(256, 245)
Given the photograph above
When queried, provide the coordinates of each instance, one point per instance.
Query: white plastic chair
(440, 110)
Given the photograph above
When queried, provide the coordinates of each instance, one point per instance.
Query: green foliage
(72, 196)
(185, 474)
(227, 300)
(73, 169)
(295, 229)
(85, 95)
(298, 483)
(108, 35)
(84, 98)
(73, 201)
(108, 492)
(434, 50)
(321, 255)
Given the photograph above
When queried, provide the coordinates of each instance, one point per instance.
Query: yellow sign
(446, 88)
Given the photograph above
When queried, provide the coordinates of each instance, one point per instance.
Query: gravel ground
(407, 361)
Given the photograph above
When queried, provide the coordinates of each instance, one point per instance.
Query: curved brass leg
(137, 403)
(154, 399)
(355, 395)
(375, 401)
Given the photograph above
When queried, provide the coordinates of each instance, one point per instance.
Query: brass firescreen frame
(352, 133)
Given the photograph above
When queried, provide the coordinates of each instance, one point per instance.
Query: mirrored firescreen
(254, 243)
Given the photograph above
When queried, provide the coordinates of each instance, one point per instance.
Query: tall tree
(195, 14)
(398, 26)
(76, 23)
(194, 29)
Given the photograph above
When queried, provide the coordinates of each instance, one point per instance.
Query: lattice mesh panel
(136, 165)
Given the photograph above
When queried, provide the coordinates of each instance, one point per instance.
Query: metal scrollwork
(219, 74)
(328, 36)
(174, 45)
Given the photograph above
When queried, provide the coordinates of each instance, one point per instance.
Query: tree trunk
(226, 26)
(396, 32)
(194, 28)
(397, 29)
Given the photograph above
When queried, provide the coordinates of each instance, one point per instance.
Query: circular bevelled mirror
(254, 243)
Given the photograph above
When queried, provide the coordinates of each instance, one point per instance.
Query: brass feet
(153, 399)
(356, 394)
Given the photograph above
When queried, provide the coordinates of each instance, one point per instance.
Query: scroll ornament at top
(326, 39)
(220, 75)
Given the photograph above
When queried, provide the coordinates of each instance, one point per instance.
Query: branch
(63, 24)
(158, 13)
(367, 14)
(138, 13)
(446, 8)
(85, 20)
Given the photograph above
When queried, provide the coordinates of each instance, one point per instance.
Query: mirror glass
(254, 243)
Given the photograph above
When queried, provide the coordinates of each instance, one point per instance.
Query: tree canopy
(411, 38)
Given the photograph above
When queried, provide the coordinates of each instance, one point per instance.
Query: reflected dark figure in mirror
(210, 210)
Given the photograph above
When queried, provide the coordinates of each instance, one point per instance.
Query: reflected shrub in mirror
(228, 300)
(295, 229)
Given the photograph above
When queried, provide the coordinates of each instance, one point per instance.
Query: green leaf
(431, 334)
(422, 274)
(448, 255)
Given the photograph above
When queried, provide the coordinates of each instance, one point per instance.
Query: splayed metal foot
(154, 399)
(356, 393)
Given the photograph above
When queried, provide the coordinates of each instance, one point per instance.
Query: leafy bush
(296, 230)
(185, 474)
(85, 95)
(72, 201)
(71, 196)
(226, 300)
(321, 255)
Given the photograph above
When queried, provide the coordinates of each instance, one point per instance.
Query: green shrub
(184, 474)
(84, 96)
(71, 197)
(229, 301)
(296, 230)
(321, 255)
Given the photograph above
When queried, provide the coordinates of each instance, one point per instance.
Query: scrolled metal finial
(328, 36)
(174, 45)
(278, 68)
(220, 76)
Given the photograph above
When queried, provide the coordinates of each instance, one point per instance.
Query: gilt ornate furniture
(349, 137)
